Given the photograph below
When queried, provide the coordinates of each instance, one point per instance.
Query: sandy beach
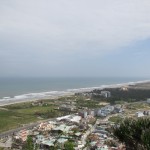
(55, 95)
(144, 86)
(14, 101)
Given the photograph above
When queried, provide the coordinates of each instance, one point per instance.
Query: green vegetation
(131, 95)
(135, 106)
(69, 146)
(16, 115)
(10, 119)
(115, 119)
(29, 144)
(82, 102)
(135, 133)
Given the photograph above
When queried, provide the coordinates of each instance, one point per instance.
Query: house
(70, 118)
(44, 126)
(108, 108)
(118, 108)
(146, 113)
(61, 142)
(22, 135)
(104, 111)
(139, 114)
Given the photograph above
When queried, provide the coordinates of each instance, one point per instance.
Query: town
(86, 124)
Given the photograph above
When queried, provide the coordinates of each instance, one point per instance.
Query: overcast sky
(75, 38)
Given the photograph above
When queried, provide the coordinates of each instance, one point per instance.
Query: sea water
(24, 88)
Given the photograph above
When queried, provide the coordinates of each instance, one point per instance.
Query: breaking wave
(54, 94)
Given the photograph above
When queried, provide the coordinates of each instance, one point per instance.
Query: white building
(139, 114)
(148, 100)
(105, 94)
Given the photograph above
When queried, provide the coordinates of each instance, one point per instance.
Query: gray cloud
(46, 34)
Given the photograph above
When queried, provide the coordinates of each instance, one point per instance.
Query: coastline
(57, 94)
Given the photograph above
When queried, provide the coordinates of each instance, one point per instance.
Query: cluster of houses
(101, 138)
(102, 112)
(107, 110)
(76, 128)
(56, 133)
(142, 113)
(82, 129)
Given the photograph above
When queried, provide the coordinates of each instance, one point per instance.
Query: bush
(135, 133)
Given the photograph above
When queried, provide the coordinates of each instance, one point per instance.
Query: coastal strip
(57, 94)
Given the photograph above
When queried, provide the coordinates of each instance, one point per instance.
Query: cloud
(75, 24)
(52, 31)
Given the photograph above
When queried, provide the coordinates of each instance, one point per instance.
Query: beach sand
(131, 85)
(144, 86)
(9, 102)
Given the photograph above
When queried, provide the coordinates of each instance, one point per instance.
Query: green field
(10, 119)
(16, 115)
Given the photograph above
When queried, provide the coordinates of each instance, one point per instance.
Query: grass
(33, 110)
(16, 115)
(11, 119)
(81, 102)
(115, 119)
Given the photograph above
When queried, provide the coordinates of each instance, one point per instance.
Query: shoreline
(70, 92)
(10, 102)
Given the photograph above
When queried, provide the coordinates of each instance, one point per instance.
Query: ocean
(39, 87)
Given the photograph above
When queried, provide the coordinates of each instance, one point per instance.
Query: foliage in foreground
(135, 133)
(69, 146)
(29, 144)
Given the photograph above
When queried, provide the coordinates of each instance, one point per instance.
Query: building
(83, 113)
(139, 114)
(105, 94)
(118, 108)
(22, 135)
(148, 100)
(44, 126)
(104, 111)
(124, 88)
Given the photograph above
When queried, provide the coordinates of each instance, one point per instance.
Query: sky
(65, 38)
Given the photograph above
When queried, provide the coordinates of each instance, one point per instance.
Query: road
(28, 126)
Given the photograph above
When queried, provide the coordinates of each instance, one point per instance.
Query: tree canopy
(134, 133)
(69, 146)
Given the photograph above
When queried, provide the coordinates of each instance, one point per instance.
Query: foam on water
(53, 94)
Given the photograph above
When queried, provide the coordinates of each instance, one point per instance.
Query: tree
(29, 143)
(69, 146)
(146, 138)
(135, 133)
